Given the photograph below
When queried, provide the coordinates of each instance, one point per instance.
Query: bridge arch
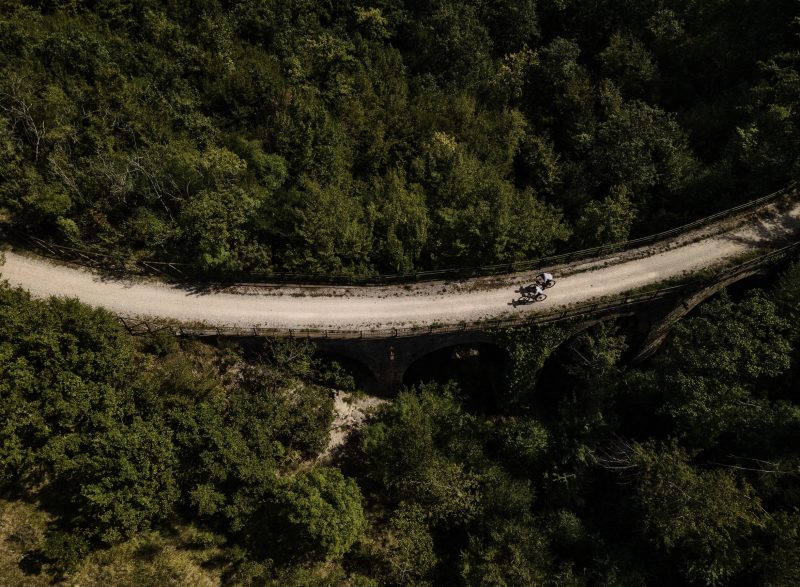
(388, 359)
(477, 367)
(661, 327)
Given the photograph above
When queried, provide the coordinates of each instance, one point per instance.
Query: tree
(512, 25)
(628, 63)
(214, 222)
(734, 342)
(715, 373)
(453, 44)
(528, 348)
(567, 103)
(523, 441)
(406, 452)
(234, 444)
(642, 147)
(608, 221)
(66, 369)
(402, 217)
(538, 164)
(316, 514)
(328, 231)
(514, 553)
(787, 298)
(125, 481)
(767, 146)
(780, 563)
(408, 546)
(480, 217)
(700, 516)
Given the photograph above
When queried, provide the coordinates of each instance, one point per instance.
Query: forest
(390, 136)
(387, 136)
(151, 460)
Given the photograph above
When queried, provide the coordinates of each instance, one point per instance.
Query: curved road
(363, 308)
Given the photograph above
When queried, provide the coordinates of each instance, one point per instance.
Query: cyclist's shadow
(527, 296)
(523, 300)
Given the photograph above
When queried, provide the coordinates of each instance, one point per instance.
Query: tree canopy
(385, 136)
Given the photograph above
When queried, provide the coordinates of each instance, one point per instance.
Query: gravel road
(357, 308)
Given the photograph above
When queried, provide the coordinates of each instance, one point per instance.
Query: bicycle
(546, 284)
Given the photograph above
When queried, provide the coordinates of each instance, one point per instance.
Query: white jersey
(547, 277)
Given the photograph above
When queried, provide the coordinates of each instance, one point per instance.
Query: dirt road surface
(360, 308)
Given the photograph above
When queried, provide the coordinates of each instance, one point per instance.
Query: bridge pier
(388, 359)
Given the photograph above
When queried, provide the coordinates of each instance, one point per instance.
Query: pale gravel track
(359, 308)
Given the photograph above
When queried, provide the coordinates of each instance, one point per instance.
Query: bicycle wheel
(550, 284)
(541, 297)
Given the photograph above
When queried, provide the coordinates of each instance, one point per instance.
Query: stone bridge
(388, 359)
(655, 281)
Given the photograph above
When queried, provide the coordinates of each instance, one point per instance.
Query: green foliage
(399, 136)
(524, 442)
(607, 221)
(64, 369)
(332, 235)
(235, 442)
(409, 548)
(115, 437)
(514, 553)
(265, 136)
(642, 148)
(715, 364)
(528, 349)
(317, 514)
(214, 221)
(681, 471)
(64, 551)
(781, 561)
(127, 479)
(628, 63)
(700, 514)
(402, 222)
(405, 456)
(734, 341)
(787, 297)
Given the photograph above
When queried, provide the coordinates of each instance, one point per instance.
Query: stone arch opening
(477, 367)
(365, 378)
(554, 376)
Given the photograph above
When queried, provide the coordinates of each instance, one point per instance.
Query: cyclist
(546, 279)
(534, 291)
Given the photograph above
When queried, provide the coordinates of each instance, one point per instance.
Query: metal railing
(185, 271)
(609, 305)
